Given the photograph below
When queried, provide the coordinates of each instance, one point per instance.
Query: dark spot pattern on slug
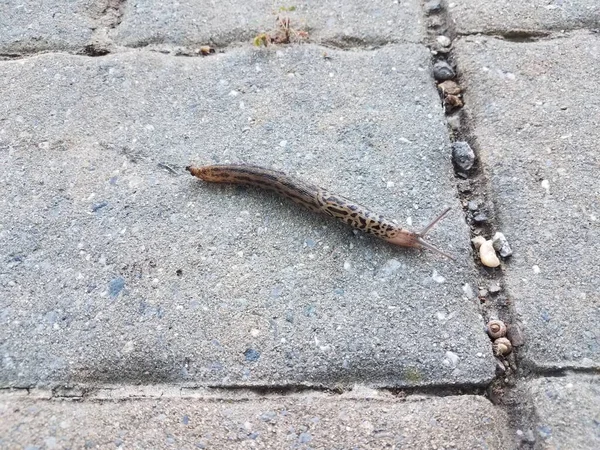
(305, 194)
(339, 212)
(363, 222)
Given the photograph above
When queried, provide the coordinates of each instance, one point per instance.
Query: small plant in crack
(283, 33)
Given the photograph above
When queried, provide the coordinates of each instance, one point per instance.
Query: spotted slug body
(316, 199)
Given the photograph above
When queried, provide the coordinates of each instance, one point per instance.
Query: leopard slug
(318, 199)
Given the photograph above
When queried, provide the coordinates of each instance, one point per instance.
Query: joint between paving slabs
(282, 33)
(475, 195)
(526, 36)
(235, 393)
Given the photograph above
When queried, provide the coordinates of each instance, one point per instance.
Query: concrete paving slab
(33, 26)
(520, 18)
(531, 106)
(466, 422)
(338, 22)
(118, 265)
(568, 411)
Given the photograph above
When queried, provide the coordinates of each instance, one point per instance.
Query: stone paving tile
(533, 112)
(568, 411)
(118, 265)
(466, 422)
(506, 16)
(340, 22)
(29, 26)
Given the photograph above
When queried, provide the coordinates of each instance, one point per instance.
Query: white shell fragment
(501, 245)
(477, 241)
(487, 254)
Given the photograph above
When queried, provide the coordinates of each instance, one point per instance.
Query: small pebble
(487, 254)
(437, 277)
(98, 206)
(465, 186)
(480, 217)
(473, 205)
(452, 358)
(442, 71)
(463, 155)
(433, 7)
(450, 87)
(483, 292)
(544, 431)
(454, 101)
(501, 245)
(468, 290)
(390, 267)
(251, 355)
(500, 368)
(304, 438)
(444, 41)
(115, 286)
(268, 416)
(477, 241)
(494, 288)
(454, 121)
(515, 335)
(528, 437)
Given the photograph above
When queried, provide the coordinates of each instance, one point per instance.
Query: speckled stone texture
(85, 26)
(567, 410)
(120, 266)
(523, 19)
(154, 22)
(33, 26)
(532, 109)
(466, 422)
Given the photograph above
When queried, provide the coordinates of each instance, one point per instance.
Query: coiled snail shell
(496, 329)
(502, 347)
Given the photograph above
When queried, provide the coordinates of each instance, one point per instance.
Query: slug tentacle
(422, 234)
(320, 200)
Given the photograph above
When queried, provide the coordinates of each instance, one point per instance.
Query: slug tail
(211, 174)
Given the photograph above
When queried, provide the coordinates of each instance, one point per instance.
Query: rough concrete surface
(29, 26)
(520, 18)
(567, 410)
(336, 22)
(533, 112)
(466, 422)
(118, 265)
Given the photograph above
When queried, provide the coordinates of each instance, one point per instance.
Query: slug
(319, 200)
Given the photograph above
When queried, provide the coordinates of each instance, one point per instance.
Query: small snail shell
(496, 329)
(502, 347)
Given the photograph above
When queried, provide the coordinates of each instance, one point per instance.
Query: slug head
(417, 240)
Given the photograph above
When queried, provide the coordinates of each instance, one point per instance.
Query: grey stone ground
(137, 303)
(336, 23)
(567, 409)
(523, 20)
(544, 176)
(308, 421)
(267, 294)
